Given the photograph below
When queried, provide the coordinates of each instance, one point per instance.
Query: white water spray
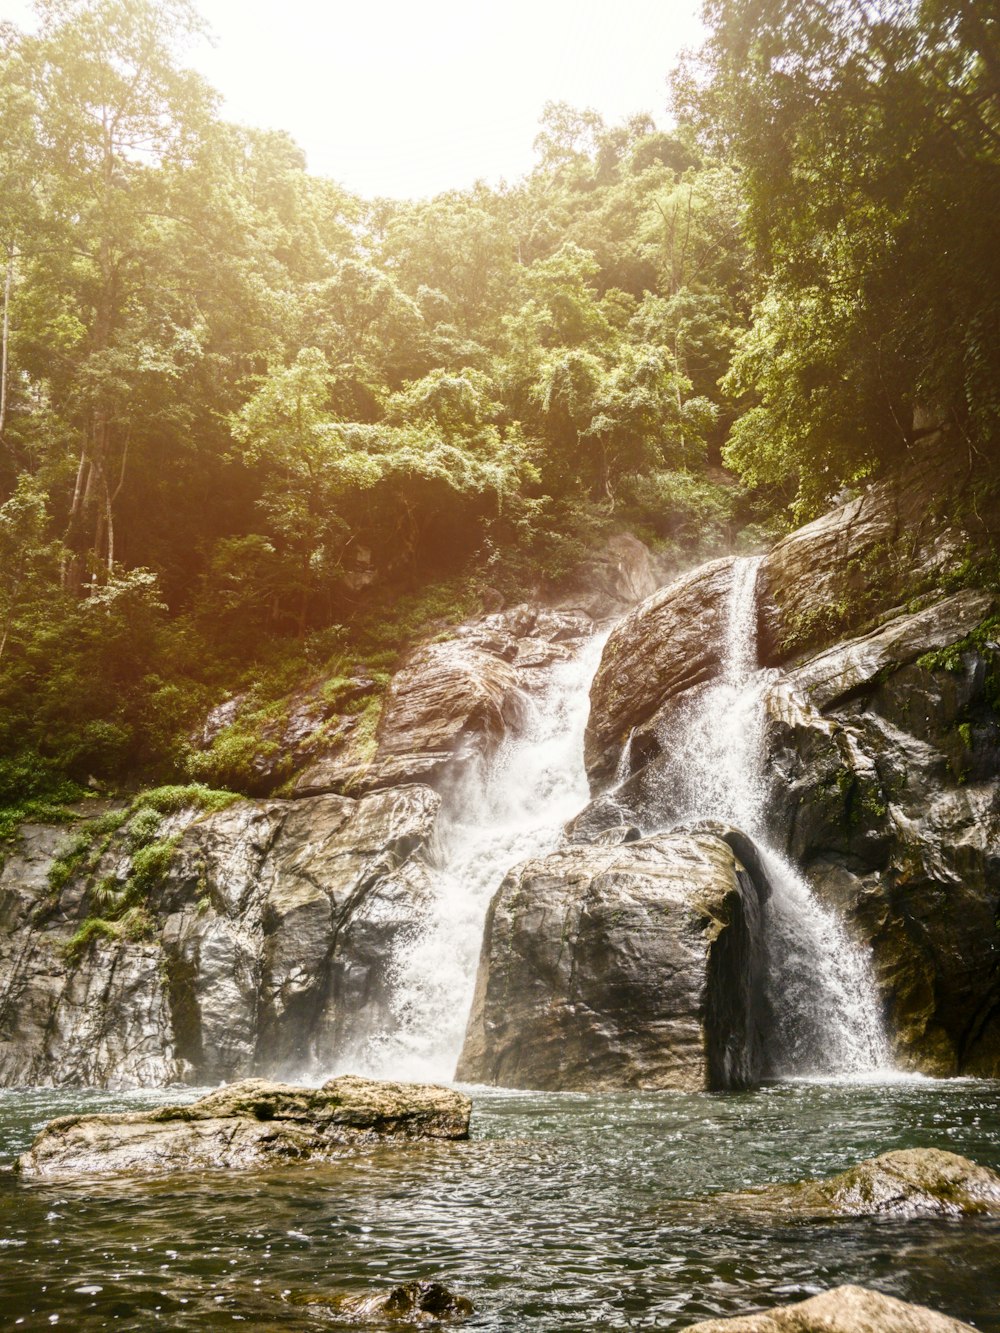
(514, 810)
(820, 985)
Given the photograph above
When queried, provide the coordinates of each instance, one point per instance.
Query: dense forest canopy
(244, 414)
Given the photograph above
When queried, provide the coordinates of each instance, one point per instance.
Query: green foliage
(170, 799)
(866, 134)
(134, 924)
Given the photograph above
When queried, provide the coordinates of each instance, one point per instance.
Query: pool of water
(563, 1212)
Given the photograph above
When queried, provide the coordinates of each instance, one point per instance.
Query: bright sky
(410, 97)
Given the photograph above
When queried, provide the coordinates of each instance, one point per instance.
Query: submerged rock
(842, 1310)
(252, 1123)
(636, 965)
(414, 1302)
(910, 1182)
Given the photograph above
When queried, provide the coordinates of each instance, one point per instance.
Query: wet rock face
(266, 946)
(842, 1310)
(629, 966)
(451, 704)
(913, 1182)
(671, 643)
(885, 786)
(252, 1123)
(860, 560)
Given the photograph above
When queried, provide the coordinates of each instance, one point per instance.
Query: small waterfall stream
(821, 991)
(514, 810)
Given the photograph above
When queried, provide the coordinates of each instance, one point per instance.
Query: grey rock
(841, 671)
(855, 563)
(252, 1123)
(889, 799)
(842, 1310)
(623, 573)
(637, 965)
(267, 947)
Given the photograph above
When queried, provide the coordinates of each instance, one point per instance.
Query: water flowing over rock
(671, 643)
(632, 966)
(884, 785)
(696, 752)
(507, 810)
(248, 1124)
(842, 1310)
(294, 938)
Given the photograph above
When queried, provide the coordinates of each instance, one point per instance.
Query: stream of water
(564, 1212)
(514, 808)
(821, 991)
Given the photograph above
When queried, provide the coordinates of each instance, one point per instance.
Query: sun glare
(407, 99)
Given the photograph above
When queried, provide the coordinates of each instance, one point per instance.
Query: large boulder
(910, 1182)
(248, 1124)
(265, 945)
(615, 578)
(671, 643)
(883, 762)
(636, 965)
(842, 1310)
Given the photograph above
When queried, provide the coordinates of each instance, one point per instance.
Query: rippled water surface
(563, 1212)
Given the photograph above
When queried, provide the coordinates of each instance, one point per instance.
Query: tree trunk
(5, 354)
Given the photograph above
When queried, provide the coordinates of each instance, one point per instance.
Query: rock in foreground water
(253, 1123)
(414, 1302)
(842, 1310)
(910, 1182)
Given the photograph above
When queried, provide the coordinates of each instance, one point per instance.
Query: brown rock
(669, 644)
(449, 704)
(842, 1310)
(248, 1124)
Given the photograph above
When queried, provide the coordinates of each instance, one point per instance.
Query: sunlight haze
(407, 99)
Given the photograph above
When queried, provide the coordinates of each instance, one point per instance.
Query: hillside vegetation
(255, 430)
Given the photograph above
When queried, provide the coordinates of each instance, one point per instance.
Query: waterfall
(513, 809)
(821, 991)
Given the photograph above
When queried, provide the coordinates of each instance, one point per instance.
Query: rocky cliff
(880, 745)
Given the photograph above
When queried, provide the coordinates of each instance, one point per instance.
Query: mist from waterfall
(820, 988)
(513, 808)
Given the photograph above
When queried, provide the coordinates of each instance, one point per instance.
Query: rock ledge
(252, 1123)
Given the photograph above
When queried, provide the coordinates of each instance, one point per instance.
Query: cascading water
(821, 991)
(535, 782)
